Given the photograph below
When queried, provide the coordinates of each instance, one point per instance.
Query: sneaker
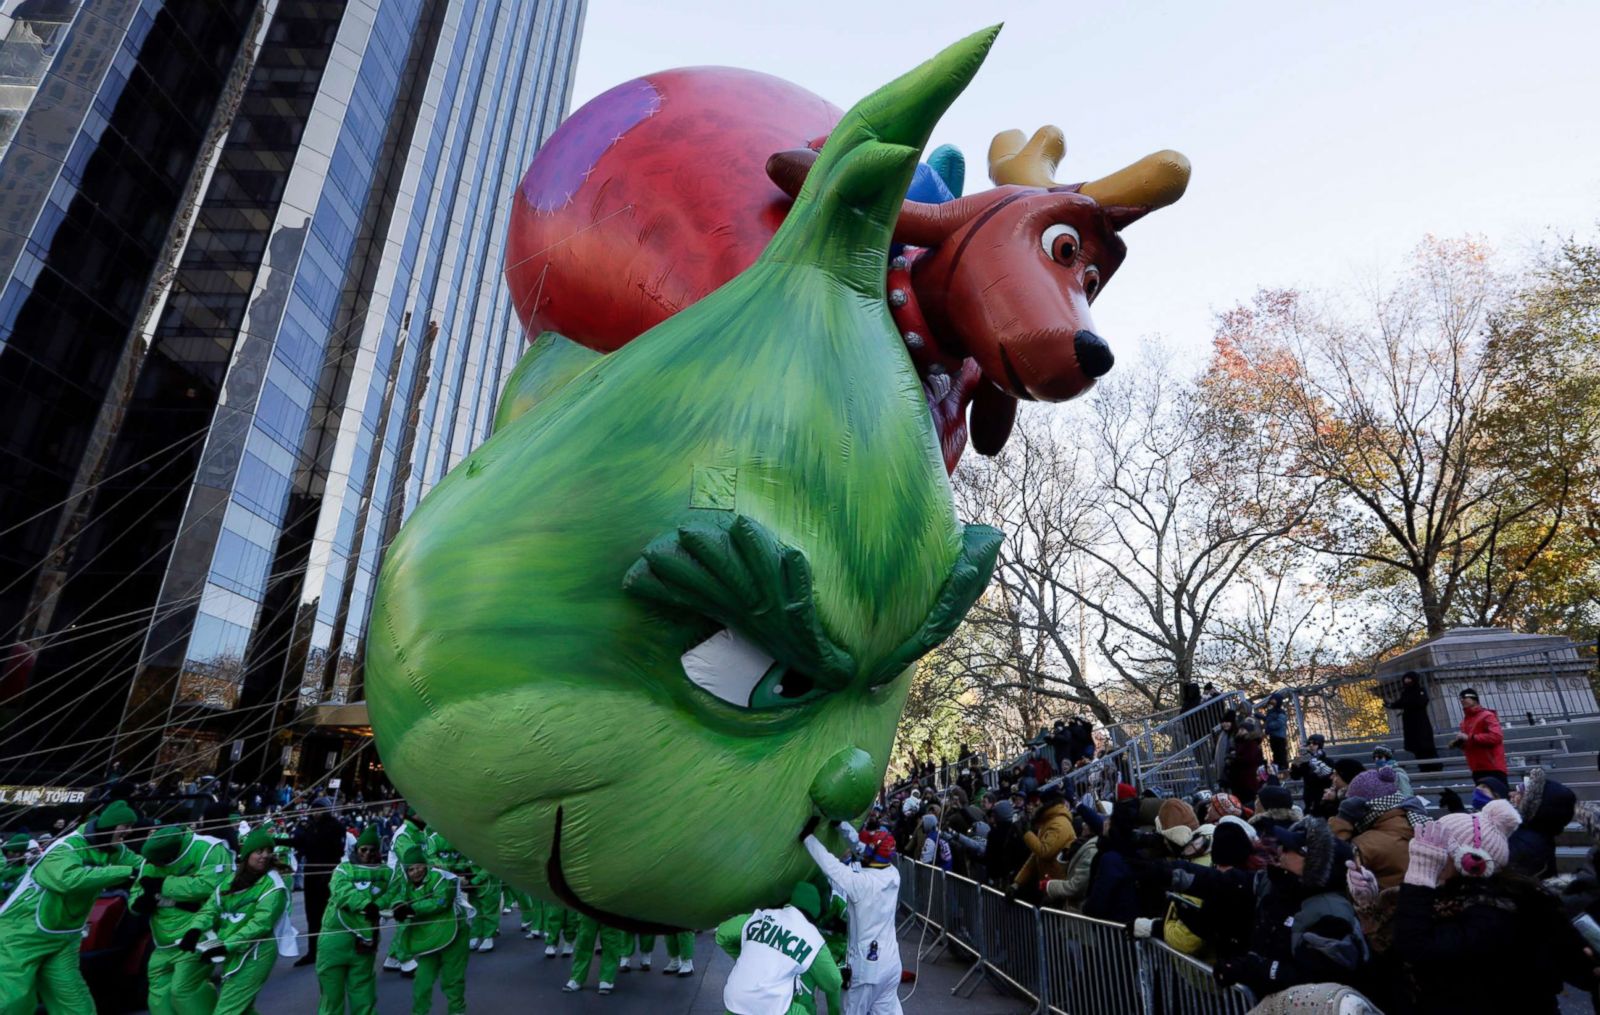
(623, 967)
(525, 927)
(566, 950)
(408, 968)
(506, 911)
(529, 935)
(487, 946)
(644, 963)
(549, 951)
(473, 944)
(571, 987)
(687, 969)
(672, 967)
(605, 988)
(391, 965)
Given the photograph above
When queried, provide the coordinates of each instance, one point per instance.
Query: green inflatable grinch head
(628, 648)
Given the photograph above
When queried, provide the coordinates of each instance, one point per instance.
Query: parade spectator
(1051, 832)
(1546, 807)
(1244, 768)
(1382, 757)
(1314, 770)
(1416, 727)
(1379, 821)
(1481, 738)
(1275, 724)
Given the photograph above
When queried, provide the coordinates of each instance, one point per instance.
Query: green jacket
(353, 888)
(205, 865)
(442, 854)
(409, 834)
(57, 895)
(437, 908)
(11, 876)
(248, 920)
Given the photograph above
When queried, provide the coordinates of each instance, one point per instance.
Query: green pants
(530, 908)
(449, 967)
(614, 944)
(180, 983)
(343, 972)
(559, 923)
(679, 946)
(488, 902)
(239, 990)
(37, 967)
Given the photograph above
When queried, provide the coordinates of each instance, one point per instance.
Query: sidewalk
(516, 977)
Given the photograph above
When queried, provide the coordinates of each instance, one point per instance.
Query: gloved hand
(844, 977)
(191, 937)
(367, 947)
(404, 912)
(1140, 929)
(810, 826)
(1362, 884)
(214, 950)
(1429, 853)
(371, 913)
(1012, 890)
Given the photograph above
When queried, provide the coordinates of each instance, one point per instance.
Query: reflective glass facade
(320, 333)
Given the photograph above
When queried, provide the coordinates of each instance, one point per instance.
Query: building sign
(41, 796)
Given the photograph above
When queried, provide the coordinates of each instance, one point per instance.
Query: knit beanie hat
(1223, 805)
(259, 837)
(1176, 821)
(1477, 842)
(1532, 793)
(1126, 791)
(1374, 783)
(114, 815)
(18, 843)
(929, 822)
(368, 837)
(1314, 841)
(805, 898)
(1497, 786)
(165, 844)
(1230, 846)
(1274, 798)
(1239, 823)
(1348, 769)
(412, 855)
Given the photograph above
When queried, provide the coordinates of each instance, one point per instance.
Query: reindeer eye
(1060, 242)
(1091, 281)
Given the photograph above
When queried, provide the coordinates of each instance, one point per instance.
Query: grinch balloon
(667, 614)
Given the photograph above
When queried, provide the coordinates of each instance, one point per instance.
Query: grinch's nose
(845, 785)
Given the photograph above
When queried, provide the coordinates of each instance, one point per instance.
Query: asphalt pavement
(516, 977)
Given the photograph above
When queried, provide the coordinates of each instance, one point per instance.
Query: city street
(517, 977)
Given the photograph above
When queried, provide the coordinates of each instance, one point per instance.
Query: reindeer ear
(788, 169)
(1120, 216)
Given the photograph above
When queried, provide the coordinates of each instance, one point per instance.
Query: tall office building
(251, 310)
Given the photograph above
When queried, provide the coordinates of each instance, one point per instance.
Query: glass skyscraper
(251, 309)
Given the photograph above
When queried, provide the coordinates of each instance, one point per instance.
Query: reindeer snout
(1094, 356)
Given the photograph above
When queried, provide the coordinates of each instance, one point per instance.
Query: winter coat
(1276, 722)
(1054, 834)
(1439, 933)
(1113, 888)
(1226, 918)
(1383, 841)
(1244, 777)
(1300, 936)
(1316, 773)
(1546, 809)
(1485, 745)
(1073, 888)
(1006, 852)
(1416, 728)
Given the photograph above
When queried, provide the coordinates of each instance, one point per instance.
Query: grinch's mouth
(569, 898)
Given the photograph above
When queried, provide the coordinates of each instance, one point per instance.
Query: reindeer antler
(1031, 164)
(1155, 181)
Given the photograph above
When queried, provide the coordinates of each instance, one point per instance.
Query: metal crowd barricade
(1064, 962)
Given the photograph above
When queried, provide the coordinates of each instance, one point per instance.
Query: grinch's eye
(738, 672)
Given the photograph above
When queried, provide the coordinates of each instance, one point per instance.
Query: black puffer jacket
(1547, 807)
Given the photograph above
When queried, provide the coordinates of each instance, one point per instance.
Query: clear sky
(1326, 139)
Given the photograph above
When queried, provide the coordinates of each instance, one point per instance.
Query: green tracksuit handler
(244, 926)
(532, 913)
(680, 952)
(433, 932)
(614, 944)
(41, 924)
(347, 954)
(16, 864)
(487, 893)
(413, 832)
(181, 871)
(559, 924)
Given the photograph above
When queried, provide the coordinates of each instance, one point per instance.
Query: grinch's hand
(740, 575)
(980, 544)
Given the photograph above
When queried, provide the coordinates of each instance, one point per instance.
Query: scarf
(1378, 806)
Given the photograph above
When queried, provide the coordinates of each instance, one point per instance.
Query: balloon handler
(433, 922)
(870, 896)
(181, 871)
(413, 832)
(244, 926)
(773, 949)
(359, 891)
(41, 923)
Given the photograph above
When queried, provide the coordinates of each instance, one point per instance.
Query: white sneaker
(672, 967)
(529, 935)
(605, 988)
(571, 987)
(566, 950)
(623, 967)
(487, 946)
(549, 951)
(408, 967)
(506, 911)
(687, 969)
(391, 964)
(644, 963)
(472, 945)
